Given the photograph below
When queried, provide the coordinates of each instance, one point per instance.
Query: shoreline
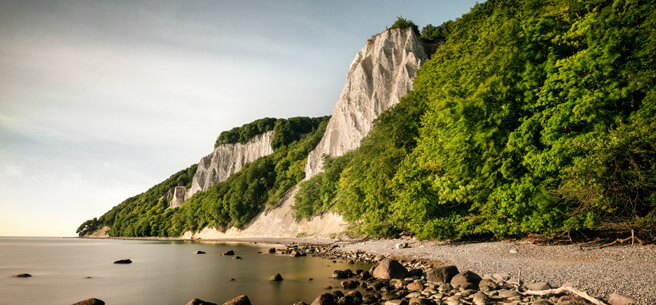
(619, 269)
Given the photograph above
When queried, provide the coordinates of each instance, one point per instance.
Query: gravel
(625, 270)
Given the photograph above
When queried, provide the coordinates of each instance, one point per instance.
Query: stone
(276, 278)
(295, 253)
(513, 251)
(365, 275)
(300, 303)
(571, 300)
(324, 299)
(92, 301)
(236, 257)
(538, 286)
(465, 280)
(442, 274)
(23, 275)
(501, 276)
(396, 283)
(272, 250)
(401, 245)
(123, 261)
(618, 299)
(396, 302)
(421, 301)
(480, 298)
(415, 286)
(390, 269)
(227, 252)
(486, 285)
(541, 302)
(453, 300)
(374, 84)
(196, 301)
(506, 294)
(342, 274)
(240, 300)
(349, 284)
(199, 252)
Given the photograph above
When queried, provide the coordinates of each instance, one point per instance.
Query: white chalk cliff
(380, 74)
(225, 160)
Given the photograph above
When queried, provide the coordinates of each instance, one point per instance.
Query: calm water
(162, 272)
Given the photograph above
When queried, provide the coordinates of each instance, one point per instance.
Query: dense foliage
(402, 23)
(245, 132)
(535, 116)
(286, 131)
(229, 203)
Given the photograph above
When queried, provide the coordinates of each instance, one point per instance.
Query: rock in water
(276, 278)
(199, 252)
(442, 274)
(390, 269)
(618, 299)
(196, 301)
(325, 299)
(272, 250)
(380, 74)
(240, 300)
(228, 252)
(123, 261)
(91, 301)
(22, 275)
(466, 280)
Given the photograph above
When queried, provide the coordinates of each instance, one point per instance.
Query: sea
(68, 270)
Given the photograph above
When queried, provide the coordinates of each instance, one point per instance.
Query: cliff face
(380, 74)
(225, 160)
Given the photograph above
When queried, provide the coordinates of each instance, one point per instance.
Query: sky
(100, 100)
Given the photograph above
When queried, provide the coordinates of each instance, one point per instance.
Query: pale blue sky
(100, 100)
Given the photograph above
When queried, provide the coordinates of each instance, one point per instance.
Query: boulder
(236, 257)
(390, 269)
(22, 275)
(486, 285)
(199, 252)
(295, 253)
(240, 300)
(618, 299)
(420, 301)
(228, 252)
(324, 299)
(350, 284)
(442, 274)
(480, 298)
(196, 301)
(276, 278)
(415, 286)
(91, 301)
(272, 250)
(538, 286)
(123, 261)
(466, 280)
(342, 274)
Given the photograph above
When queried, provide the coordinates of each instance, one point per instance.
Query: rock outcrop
(380, 74)
(225, 160)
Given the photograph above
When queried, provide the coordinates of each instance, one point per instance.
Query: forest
(532, 117)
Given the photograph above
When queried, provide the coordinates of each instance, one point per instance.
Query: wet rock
(466, 280)
(22, 275)
(199, 252)
(441, 274)
(538, 286)
(350, 284)
(91, 301)
(618, 299)
(390, 269)
(295, 253)
(196, 301)
(123, 261)
(237, 257)
(276, 278)
(272, 250)
(342, 274)
(240, 300)
(228, 252)
(365, 275)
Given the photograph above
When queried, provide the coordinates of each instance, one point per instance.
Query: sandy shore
(621, 269)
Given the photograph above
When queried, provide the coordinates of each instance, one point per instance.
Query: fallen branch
(564, 289)
(632, 238)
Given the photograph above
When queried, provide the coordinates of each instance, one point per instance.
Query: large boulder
(325, 299)
(442, 274)
(91, 301)
(240, 300)
(466, 280)
(390, 269)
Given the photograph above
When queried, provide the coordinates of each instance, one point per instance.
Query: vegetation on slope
(229, 203)
(286, 131)
(534, 116)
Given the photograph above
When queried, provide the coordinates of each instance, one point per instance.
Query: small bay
(67, 270)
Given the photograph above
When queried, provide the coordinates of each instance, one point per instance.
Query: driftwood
(564, 289)
(632, 238)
